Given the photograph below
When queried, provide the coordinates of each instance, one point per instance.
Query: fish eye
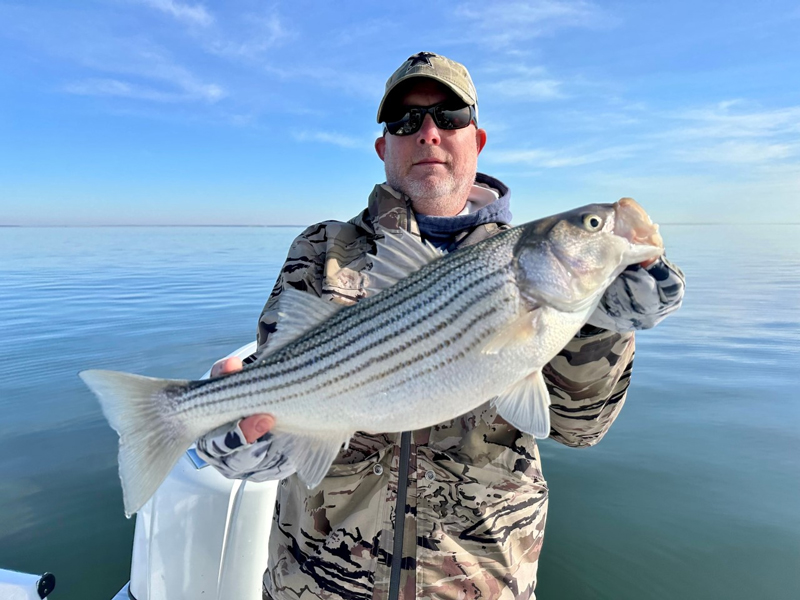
(593, 222)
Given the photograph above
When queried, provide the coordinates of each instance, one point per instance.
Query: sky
(249, 112)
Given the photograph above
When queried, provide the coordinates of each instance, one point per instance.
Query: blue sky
(254, 112)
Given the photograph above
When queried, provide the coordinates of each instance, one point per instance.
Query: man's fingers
(648, 262)
(226, 365)
(255, 426)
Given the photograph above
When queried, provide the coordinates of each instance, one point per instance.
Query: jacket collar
(389, 209)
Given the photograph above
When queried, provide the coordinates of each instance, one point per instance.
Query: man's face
(434, 167)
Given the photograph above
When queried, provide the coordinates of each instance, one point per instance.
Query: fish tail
(150, 443)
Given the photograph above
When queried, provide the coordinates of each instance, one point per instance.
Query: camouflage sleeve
(588, 381)
(640, 298)
(302, 270)
(225, 448)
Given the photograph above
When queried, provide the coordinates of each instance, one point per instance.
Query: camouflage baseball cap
(439, 68)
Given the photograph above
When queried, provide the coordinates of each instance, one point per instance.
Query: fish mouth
(634, 224)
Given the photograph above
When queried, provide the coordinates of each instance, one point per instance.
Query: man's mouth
(429, 161)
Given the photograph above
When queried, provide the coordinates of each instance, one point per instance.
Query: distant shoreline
(2, 226)
(102, 226)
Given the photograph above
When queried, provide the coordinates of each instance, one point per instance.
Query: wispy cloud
(729, 137)
(507, 23)
(595, 120)
(192, 14)
(367, 29)
(547, 89)
(92, 61)
(123, 89)
(114, 87)
(733, 132)
(740, 153)
(345, 79)
(337, 139)
(553, 159)
(257, 34)
(156, 77)
(750, 197)
(531, 83)
(731, 119)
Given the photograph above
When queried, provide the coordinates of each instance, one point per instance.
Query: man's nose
(428, 132)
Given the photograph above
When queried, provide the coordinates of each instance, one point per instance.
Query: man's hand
(644, 264)
(254, 426)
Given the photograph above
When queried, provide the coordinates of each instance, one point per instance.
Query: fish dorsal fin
(516, 333)
(399, 254)
(309, 454)
(526, 405)
(298, 312)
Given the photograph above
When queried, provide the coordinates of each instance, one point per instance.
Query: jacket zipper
(400, 516)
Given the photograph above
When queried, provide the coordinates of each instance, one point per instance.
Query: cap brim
(457, 91)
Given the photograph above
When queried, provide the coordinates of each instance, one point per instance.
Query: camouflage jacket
(454, 511)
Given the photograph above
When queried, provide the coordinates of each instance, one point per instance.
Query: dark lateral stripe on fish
(344, 338)
(383, 374)
(422, 283)
(332, 334)
(392, 334)
(357, 385)
(465, 299)
(478, 340)
(258, 375)
(393, 298)
(262, 372)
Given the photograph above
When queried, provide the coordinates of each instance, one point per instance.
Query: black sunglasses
(445, 118)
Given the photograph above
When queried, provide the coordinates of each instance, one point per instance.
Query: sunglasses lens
(445, 118)
(407, 124)
(453, 118)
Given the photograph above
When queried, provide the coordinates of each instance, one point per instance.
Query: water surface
(693, 494)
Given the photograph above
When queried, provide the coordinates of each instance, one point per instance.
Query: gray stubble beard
(442, 197)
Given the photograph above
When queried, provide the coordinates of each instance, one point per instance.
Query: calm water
(694, 493)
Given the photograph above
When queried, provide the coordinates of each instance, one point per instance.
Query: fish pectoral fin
(526, 405)
(399, 254)
(298, 312)
(516, 333)
(311, 454)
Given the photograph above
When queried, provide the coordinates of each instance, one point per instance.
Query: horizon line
(141, 225)
(108, 225)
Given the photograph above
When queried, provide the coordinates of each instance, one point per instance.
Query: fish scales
(445, 336)
(320, 344)
(401, 338)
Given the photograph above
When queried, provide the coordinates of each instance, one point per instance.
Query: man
(457, 510)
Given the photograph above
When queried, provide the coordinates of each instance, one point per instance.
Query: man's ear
(380, 146)
(480, 138)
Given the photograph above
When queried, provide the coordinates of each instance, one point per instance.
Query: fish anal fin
(399, 254)
(517, 333)
(526, 405)
(298, 312)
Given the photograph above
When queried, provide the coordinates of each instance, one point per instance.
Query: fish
(437, 336)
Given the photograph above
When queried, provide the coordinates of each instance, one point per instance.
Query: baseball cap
(439, 68)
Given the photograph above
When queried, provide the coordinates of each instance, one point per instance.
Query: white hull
(200, 536)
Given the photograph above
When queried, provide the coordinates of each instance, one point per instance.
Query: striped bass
(445, 335)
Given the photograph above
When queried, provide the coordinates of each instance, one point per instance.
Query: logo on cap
(420, 58)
